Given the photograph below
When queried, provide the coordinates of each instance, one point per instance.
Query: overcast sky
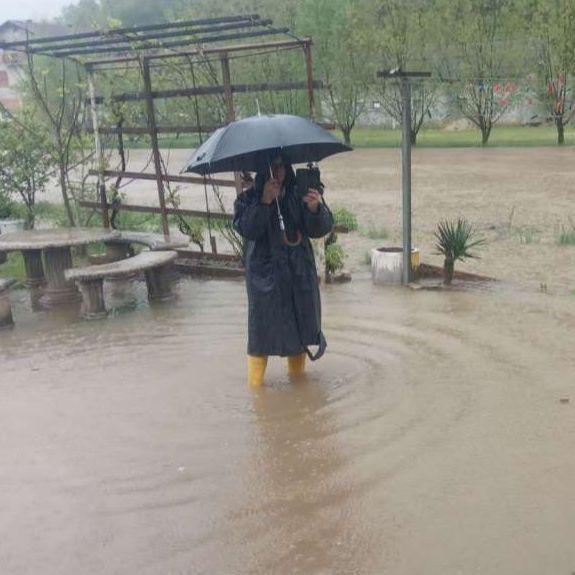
(30, 9)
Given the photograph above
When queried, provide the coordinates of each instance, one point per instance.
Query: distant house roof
(34, 28)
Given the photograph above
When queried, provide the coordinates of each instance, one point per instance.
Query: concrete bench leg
(93, 306)
(116, 251)
(59, 290)
(5, 309)
(159, 282)
(34, 268)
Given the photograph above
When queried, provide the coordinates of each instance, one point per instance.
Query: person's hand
(312, 200)
(271, 191)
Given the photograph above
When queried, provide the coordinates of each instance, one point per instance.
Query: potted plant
(454, 242)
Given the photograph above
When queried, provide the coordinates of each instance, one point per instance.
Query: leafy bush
(334, 258)
(6, 206)
(345, 218)
(53, 213)
(13, 267)
(25, 165)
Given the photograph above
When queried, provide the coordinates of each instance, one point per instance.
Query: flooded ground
(435, 437)
(519, 199)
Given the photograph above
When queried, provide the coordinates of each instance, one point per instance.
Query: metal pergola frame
(142, 46)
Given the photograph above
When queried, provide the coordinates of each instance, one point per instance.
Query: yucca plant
(455, 241)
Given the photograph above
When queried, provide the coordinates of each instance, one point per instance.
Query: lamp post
(405, 78)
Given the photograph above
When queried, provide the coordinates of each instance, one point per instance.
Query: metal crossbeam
(140, 130)
(174, 44)
(119, 43)
(165, 177)
(103, 34)
(203, 52)
(211, 91)
(154, 210)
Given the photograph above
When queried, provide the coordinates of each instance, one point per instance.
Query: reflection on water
(431, 439)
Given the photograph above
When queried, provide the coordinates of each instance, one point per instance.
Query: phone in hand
(306, 179)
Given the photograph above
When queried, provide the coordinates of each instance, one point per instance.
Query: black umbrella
(250, 144)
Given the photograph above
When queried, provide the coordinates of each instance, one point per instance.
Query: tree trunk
(485, 133)
(346, 135)
(30, 219)
(448, 270)
(64, 190)
(413, 137)
(560, 130)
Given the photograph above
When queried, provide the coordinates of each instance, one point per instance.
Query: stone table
(55, 245)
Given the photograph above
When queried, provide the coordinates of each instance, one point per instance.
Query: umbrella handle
(283, 229)
(292, 244)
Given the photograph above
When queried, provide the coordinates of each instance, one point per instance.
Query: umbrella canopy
(246, 145)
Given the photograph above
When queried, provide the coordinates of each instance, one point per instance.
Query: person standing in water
(284, 316)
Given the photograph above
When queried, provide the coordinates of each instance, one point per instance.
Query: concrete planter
(387, 264)
(9, 226)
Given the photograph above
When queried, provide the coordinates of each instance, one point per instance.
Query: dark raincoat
(283, 290)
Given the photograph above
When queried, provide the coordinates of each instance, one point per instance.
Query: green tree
(338, 58)
(477, 54)
(395, 37)
(25, 166)
(552, 22)
(54, 98)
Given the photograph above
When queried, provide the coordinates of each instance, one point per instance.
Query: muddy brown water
(435, 437)
(519, 200)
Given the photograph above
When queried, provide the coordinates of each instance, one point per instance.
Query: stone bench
(119, 248)
(5, 304)
(90, 280)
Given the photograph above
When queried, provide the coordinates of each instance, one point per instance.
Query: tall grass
(376, 233)
(566, 236)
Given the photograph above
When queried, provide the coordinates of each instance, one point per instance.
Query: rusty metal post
(309, 76)
(155, 147)
(227, 81)
(318, 245)
(230, 109)
(99, 149)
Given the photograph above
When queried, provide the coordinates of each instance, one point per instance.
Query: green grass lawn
(502, 136)
(14, 267)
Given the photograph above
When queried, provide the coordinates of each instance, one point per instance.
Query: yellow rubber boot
(256, 369)
(296, 364)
